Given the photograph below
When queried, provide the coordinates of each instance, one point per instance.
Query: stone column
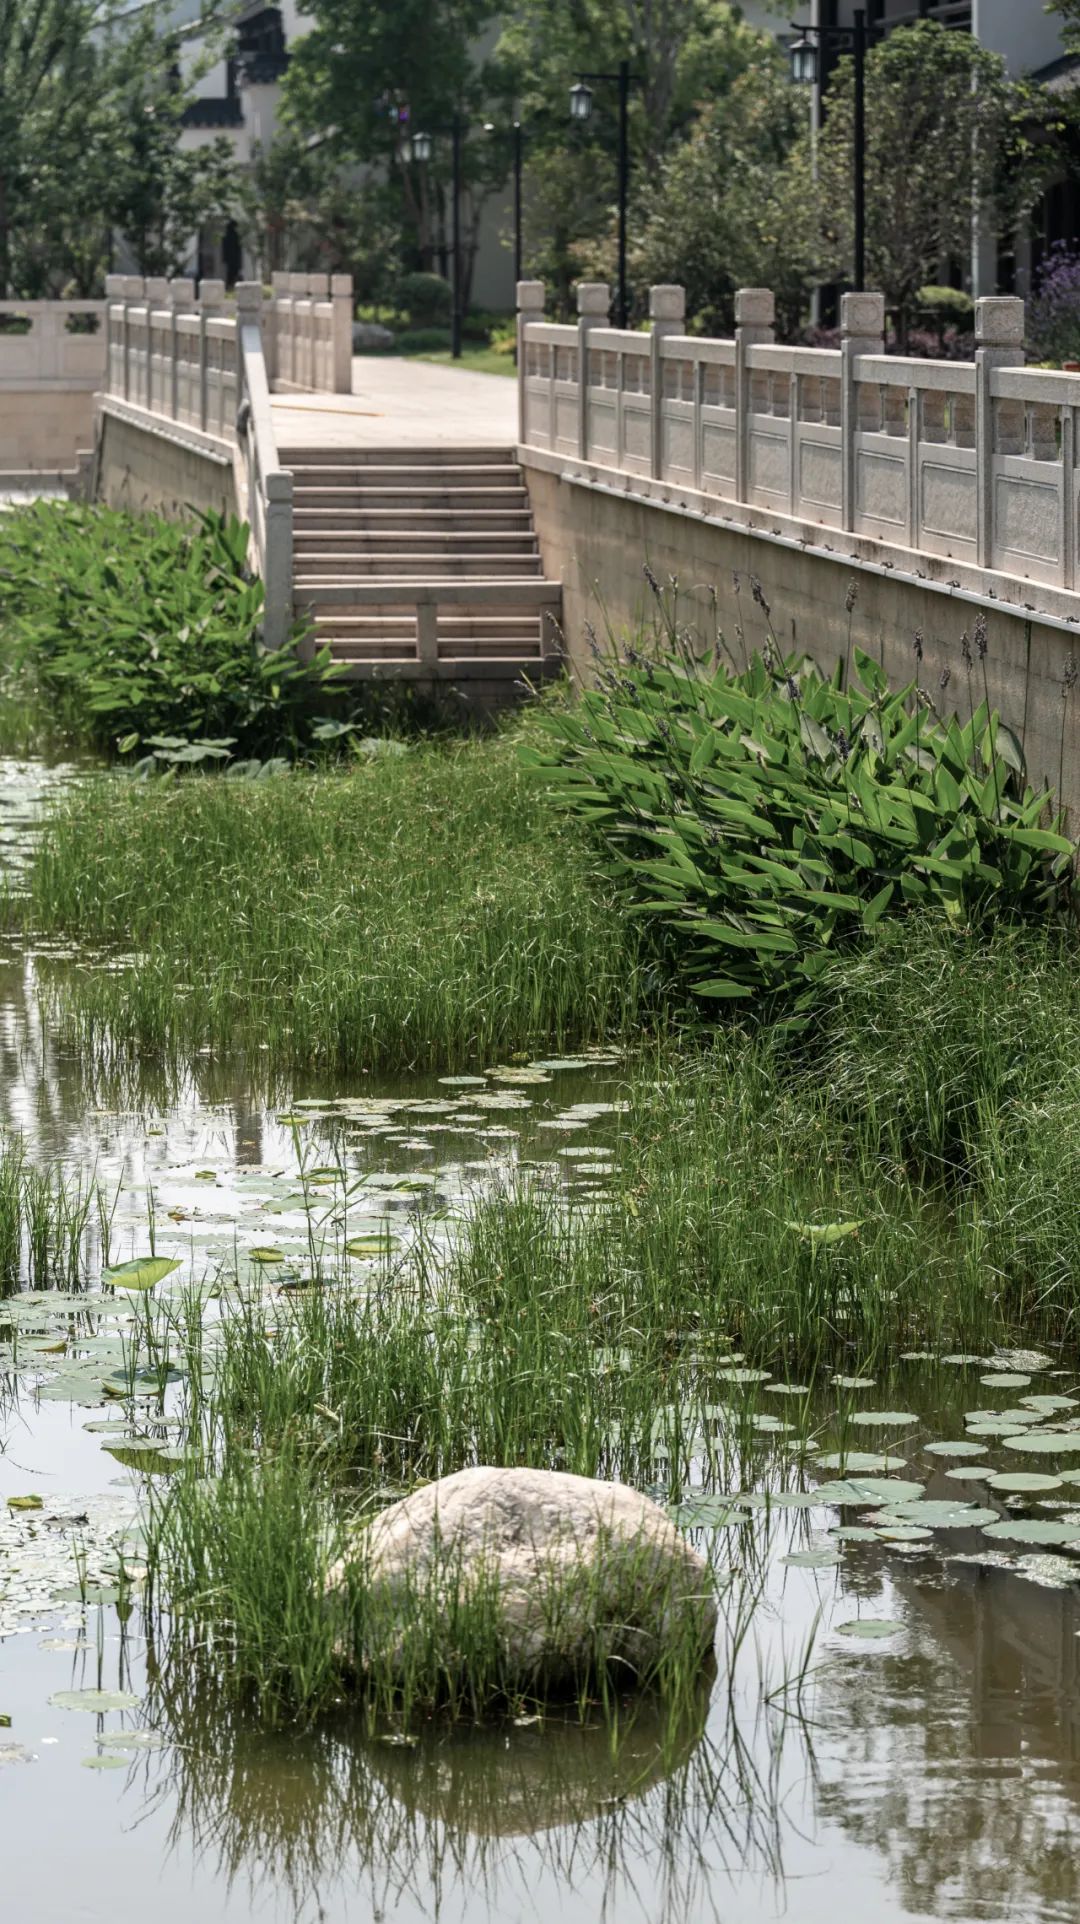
(530, 307)
(341, 293)
(594, 309)
(134, 290)
(318, 294)
(862, 331)
(278, 560)
(755, 312)
(211, 304)
(999, 342)
(181, 301)
(667, 312)
(115, 331)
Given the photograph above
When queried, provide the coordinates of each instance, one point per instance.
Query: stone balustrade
(971, 461)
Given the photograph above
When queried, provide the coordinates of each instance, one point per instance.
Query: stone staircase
(420, 563)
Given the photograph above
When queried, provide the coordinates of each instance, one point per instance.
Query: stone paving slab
(402, 404)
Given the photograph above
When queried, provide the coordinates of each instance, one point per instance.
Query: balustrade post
(530, 307)
(594, 309)
(999, 342)
(157, 297)
(862, 331)
(318, 290)
(211, 304)
(182, 299)
(279, 284)
(755, 312)
(278, 558)
(134, 289)
(667, 312)
(114, 339)
(341, 293)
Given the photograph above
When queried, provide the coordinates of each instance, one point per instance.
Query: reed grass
(427, 908)
(45, 1215)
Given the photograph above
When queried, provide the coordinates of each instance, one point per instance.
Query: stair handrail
(269, 485)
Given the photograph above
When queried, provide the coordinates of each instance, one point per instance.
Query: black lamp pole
(581, 109)
(519, 145)
(804, 62)
(455, 320)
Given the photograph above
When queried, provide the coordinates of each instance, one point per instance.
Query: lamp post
(804, 54)
(517, 133)
(421, 145)
(581, 106)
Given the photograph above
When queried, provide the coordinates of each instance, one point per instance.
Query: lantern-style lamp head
(581, 99)
(803, 56)
(421, 146)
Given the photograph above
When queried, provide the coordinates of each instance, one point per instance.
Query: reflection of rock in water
(513, 1781)
(299, 1811)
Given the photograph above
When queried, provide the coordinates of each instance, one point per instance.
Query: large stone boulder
(371, 337)
(543, 1577)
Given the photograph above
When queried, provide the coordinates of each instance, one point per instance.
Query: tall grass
(426, 908)
(45, 1215)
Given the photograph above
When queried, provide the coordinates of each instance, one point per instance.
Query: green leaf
(143, 1273)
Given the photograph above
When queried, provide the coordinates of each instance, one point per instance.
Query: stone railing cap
(667, 302)
(531, 296)
(863, 314)
(593, 297)
(755, 307)
(999, 321)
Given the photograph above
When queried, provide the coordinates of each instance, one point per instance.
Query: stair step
(423, 567)
(399, 592)
(331, 474)
(434, 520)
(499, 648)
(322, 500)
(369, 541)
(397, 457)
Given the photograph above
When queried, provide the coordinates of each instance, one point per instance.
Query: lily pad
(869, 1489)
(870, 1629)
(1034, 1530)
(266, 1254)
(883, 1419)
(1044, 1442)
(961, 1447)
(1005, 1380)
(25, 1502)
(105, 1761)
(93, 1700)
(853, 1382)
(812, 1560)
(142, 1273)
(1020, 1482)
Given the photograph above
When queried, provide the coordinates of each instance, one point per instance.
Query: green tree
(734, 205)
(371, 71)
(948, 140)
(163, 193)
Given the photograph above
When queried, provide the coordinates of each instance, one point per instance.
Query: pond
(894, 1727)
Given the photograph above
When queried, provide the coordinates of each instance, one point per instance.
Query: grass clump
(130, 632)
(428, 907)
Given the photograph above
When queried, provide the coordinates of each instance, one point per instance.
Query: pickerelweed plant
(140, 635)
(762, 816)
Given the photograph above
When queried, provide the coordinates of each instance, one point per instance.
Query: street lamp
(421, 146)
(518, 135)
(581, 106)
(803, 54)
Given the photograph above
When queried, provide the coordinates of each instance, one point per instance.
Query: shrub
(1054, 314)
(762, 816)
(945, 308)
(425, 297)
(138, 631)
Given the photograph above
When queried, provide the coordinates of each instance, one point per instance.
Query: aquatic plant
(760, 817)
(123, 631)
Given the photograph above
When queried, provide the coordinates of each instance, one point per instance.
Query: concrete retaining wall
(143, 467)
(597, 537)
(43, 431)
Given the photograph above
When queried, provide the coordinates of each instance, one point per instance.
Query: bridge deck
(401, 404)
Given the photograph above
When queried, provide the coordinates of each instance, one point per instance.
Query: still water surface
(933, 1772)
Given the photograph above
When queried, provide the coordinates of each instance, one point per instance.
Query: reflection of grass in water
(561, 1799)
(427, 907)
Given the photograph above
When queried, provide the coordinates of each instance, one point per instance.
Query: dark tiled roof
(1060, 76)
(214, 113)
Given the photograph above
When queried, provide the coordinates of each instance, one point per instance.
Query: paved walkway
(402, 404)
